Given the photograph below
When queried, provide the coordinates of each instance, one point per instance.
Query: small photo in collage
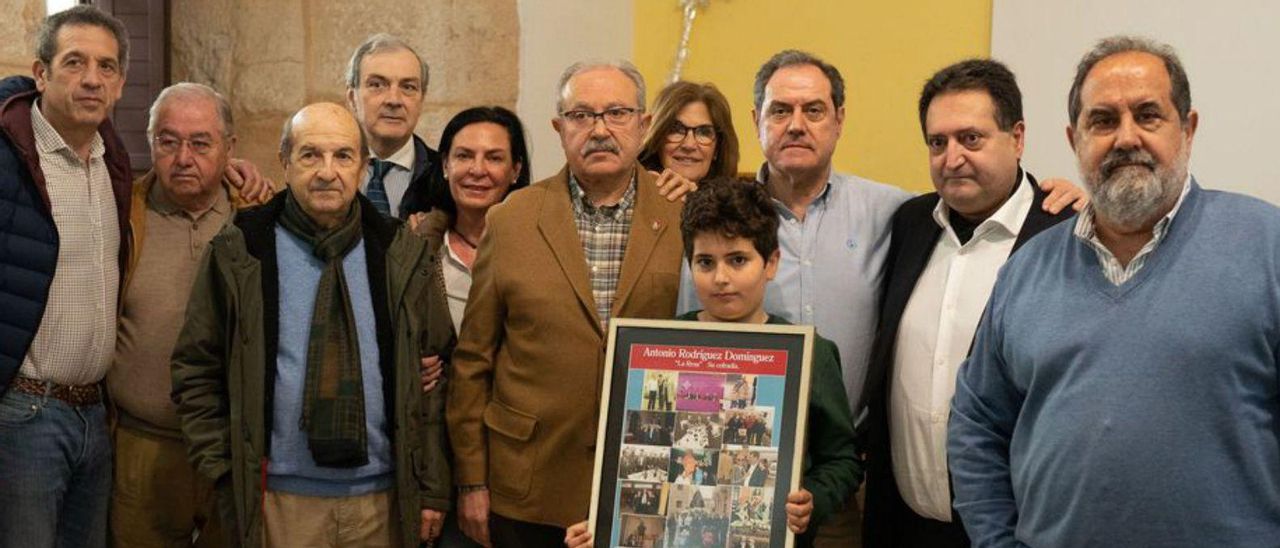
(700, 392)
(644, 463)
(740, 391)
(752, 507)
(641, 531)
(659, 391)
(649, 427)
(698, 431)
(747, 466)
(740, 540)
(640, 497)
(750, 426)
(698, 515)
(692, 467)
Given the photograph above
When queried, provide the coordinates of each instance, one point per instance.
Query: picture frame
(701, 433)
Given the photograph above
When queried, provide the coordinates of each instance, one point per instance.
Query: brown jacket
(524, 404)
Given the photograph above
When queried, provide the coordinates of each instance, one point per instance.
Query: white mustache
(599, 146)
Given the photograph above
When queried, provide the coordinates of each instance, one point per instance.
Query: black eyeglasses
(704, 134)
(615, 117)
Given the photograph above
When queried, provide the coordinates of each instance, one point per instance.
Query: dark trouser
(891, 523)
(159, 499)
(55, 472)
(843, 529)
(917, 531)
(505, 532)
(452, 536)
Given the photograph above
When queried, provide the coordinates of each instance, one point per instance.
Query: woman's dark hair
(492, 114)
(667, 105)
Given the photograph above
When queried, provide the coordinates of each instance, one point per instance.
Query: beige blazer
(527, 373)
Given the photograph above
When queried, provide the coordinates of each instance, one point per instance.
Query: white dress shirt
(397, 180)
(936, 332)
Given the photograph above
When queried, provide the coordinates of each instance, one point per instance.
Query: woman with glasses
(692, 133)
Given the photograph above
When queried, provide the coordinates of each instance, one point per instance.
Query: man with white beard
(1123, 387)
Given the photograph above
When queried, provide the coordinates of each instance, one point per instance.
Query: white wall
(553, 35)
(1231, 50)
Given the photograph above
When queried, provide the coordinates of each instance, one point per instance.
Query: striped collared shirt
(77, 335)
(1117, 274)
(604, 231)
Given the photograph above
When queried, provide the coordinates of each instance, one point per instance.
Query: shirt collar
(1009, 216)
(48, 139)
(582, 204)
(762, 177)
(1086, 229)
(404, 157)
(160, 203)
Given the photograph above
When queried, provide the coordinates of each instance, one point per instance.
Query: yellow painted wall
(884, 49)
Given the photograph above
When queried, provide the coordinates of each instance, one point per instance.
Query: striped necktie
(376, 191)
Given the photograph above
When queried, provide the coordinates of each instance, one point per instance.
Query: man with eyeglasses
(558, 260)
(158, 498)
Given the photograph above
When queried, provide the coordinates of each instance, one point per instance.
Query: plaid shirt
(604, 231)
(1116, 273)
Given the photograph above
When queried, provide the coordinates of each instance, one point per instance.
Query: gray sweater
(1145, 414)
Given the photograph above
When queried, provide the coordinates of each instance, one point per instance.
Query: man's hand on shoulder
(1062, 193)
(673, 186)
(249, 183)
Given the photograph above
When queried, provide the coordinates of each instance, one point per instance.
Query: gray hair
(791, 58)
(191, 90)
(621, 65)
(1114, 45)
(378, 43)
(84, 14)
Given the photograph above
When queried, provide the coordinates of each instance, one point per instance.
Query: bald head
(323, 110)
(323, 153)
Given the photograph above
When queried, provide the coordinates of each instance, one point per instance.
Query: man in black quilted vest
(64, 210)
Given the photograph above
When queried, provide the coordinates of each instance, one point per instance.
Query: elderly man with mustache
(557, 260)
(1123, 386)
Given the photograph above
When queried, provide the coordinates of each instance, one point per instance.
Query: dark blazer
(421, 196)
(758, 477)
(915, 235)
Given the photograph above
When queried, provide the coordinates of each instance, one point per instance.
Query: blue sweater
(1146, 414)
(292, 468)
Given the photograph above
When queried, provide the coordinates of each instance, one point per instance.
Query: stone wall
(273, 56)
(18, 27)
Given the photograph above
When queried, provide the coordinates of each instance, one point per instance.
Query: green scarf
(333, 397)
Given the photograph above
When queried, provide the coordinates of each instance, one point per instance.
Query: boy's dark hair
(733, 208)
(977, 74)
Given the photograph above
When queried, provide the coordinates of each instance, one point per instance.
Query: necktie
(376, 191)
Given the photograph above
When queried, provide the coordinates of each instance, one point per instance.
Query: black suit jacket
(915, 235)
(422, 194)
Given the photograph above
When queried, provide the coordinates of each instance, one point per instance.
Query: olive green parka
(224, 366)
